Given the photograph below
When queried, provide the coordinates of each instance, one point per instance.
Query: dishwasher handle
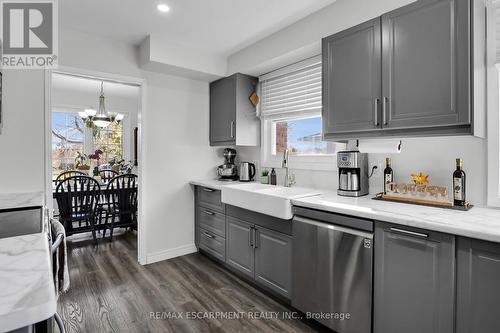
(333, 227)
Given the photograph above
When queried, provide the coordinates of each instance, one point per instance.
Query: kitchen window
(290, 112)
(70, 136)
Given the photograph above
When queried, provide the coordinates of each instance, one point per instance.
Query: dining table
(104, 193)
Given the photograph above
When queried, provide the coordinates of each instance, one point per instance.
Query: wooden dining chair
(107, 174)
(121, 203)
(78, 198)
(70, 173)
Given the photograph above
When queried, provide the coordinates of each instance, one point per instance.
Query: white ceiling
(219, 27)
(64, 82)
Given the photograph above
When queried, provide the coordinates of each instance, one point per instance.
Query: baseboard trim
(170, 253)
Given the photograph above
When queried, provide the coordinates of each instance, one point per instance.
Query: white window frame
(304, 162)
(88, 144)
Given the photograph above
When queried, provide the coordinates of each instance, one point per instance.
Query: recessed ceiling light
(163, 8)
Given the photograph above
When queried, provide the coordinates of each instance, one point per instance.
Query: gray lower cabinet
(414, 276)
(240, 251)
(210, 198)
(210, 222)
(262, 254)
(212, 244)
(273, 256)
(478, 286)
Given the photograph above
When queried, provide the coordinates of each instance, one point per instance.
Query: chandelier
(100, 118)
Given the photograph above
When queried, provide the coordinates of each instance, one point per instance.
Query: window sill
(316, 163)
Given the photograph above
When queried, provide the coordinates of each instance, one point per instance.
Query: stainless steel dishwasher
(332, 269)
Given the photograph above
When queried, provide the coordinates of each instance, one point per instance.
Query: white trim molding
(140, 82)
(306, 162)
(171, 253)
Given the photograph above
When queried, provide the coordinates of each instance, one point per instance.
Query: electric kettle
(247, 171)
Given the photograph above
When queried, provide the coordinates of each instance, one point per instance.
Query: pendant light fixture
(102, 119)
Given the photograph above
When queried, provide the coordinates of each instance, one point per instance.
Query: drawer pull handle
(208, 235)
(207, 189)
(209, 212)
(411, 233)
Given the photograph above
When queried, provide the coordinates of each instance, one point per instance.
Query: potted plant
(126, 168)
(96, 156)
(115, 164)
(82, 162)
(264, 176)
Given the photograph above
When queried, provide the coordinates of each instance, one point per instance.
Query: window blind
(292, 89)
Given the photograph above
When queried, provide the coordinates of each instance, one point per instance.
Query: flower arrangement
(81, 161)
(96, 156)
(116, 163)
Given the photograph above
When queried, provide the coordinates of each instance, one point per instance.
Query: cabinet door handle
(256, 238)
(208, 235)
(232, 129)
(207, 189)
(375, 107)
(250, 238)
(384, 110)
(209, 212)
(410, 233)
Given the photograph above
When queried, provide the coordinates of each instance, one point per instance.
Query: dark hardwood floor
(111, 292)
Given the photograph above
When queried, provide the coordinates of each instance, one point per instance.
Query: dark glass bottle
(459, 184)
(273, 177)
(388, 174)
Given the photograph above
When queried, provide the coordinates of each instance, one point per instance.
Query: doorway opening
(93, 135)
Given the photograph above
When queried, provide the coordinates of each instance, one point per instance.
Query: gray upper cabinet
(407, 73)
(352, 79)
(232, 116)
(223, 111)
(273, 256)
(414, 276)
(239, 246)
(426, 65)
(478, 288)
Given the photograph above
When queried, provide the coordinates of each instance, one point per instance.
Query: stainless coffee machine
(228, 170)
(353, 173)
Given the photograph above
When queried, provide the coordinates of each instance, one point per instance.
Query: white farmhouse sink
(266, 199)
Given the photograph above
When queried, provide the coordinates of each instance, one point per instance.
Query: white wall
(303, 38)
(22, 136)
(175, 129)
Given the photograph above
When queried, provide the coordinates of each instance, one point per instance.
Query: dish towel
(60, 264)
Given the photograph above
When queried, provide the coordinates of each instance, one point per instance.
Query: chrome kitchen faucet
(289, 178)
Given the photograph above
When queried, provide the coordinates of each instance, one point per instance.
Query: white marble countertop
(214, 183)
(21, 199)
(27, 293)
(480, 223)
